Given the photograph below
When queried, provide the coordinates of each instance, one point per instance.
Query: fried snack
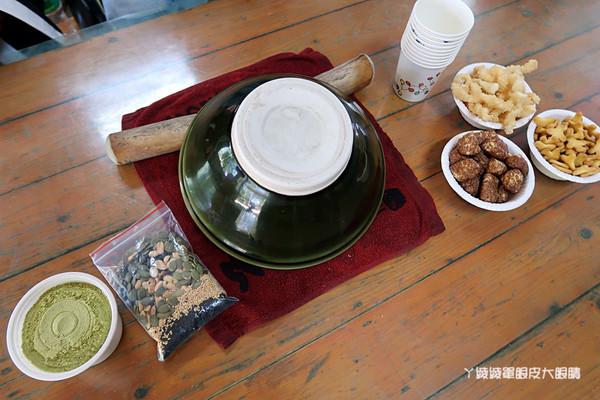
(497, 94)
(570, 145)
(483, 174)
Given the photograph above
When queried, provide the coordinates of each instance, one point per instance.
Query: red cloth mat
(406, 219)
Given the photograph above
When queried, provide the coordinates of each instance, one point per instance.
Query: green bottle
(51, 6)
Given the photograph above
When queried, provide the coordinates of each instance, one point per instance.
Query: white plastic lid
(292, 136)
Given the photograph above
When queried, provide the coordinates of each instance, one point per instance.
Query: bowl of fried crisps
(564, 145)
(491, 96)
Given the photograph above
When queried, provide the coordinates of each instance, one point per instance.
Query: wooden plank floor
(495, 290)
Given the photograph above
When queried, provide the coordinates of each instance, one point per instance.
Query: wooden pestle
(167, 136)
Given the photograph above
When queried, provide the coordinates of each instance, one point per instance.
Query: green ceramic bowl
(265, 228)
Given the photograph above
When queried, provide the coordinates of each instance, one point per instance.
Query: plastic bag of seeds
(164, 284)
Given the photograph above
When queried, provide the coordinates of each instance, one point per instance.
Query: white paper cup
(448, 19)
(427, 34)
(424, 60)
(438, 45)
(425, 52)
(413, 82)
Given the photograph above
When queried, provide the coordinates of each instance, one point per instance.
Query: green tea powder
(66, 326)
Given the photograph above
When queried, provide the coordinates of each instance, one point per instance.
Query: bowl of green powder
(62, 326)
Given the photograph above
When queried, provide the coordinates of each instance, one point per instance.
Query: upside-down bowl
(241, 193)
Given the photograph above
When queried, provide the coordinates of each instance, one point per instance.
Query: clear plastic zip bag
(165, 285)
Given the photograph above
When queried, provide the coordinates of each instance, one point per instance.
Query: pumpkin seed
(172, 301)
(132, 295)
(195, 274)
(163, 309)
(183, 282)
(146, 301)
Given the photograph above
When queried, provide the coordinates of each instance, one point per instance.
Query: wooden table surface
(517, 290)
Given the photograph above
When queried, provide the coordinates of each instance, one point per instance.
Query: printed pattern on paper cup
(421, 88)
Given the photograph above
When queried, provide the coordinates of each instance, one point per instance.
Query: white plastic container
(17, 318)
(538, 159)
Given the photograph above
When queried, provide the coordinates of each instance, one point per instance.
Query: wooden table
(514, 290)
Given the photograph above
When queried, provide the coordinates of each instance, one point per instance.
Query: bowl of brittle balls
(565, 145)
(488, 170)
(492, 96)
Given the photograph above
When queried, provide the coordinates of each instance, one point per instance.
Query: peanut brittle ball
(481, 159)
(482, 136)
(465, 169)
(489, 188)
(471, 186)
(455, 156)
(512, 180)
(503, 194)
(495, 147)
(468, 145)
(496, 167)
(517, 161)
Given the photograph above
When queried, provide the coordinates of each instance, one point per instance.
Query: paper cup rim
(422, 62)
(461, 4)
(414, 24)
(432, 48)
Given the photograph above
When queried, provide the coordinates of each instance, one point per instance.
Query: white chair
(19, 11)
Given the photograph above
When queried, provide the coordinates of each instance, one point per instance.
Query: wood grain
(518, 288)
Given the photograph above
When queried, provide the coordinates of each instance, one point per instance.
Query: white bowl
(515, 201)
(15, 325)
(477, 122)
(538, 159)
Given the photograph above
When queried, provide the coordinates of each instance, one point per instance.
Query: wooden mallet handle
(167, 136)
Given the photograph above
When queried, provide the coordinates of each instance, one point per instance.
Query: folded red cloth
(406, 219)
